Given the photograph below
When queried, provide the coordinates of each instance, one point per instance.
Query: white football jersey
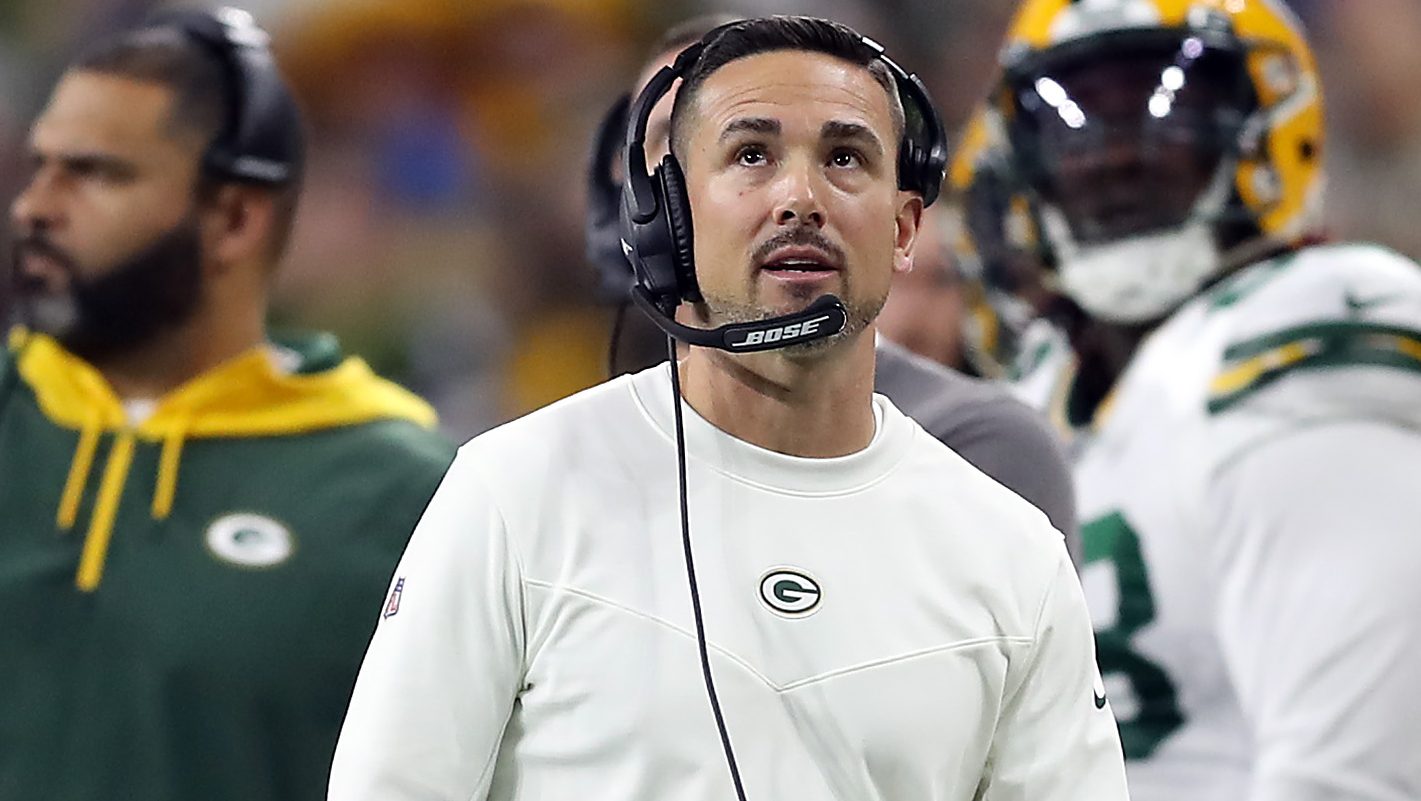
(887, 625)
(1250, 500)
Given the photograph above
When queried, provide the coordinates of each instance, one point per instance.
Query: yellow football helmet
(1162, 143)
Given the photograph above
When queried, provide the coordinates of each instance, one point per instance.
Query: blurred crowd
(440, 234)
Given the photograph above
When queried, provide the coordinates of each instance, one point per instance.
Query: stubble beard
(151, 292)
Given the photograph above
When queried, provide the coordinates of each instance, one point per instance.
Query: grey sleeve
(1008, 441)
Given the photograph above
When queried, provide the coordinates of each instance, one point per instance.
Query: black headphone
(262, 142)
(656, 232)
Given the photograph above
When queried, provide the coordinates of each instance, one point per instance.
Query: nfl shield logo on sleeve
(393, 605)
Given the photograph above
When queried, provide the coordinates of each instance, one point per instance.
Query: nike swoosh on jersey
(1355, 303)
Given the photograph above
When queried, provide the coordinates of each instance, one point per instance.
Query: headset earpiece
(678, 220)
(910, 164)
(646, 240)
(922, 153)
(262, 141)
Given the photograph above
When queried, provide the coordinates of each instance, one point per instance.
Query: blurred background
(440, 234)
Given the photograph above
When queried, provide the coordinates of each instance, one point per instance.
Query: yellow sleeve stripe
(1253, 364)
(1246, 373)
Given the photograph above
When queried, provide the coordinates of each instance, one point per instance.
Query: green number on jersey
(1111, 539)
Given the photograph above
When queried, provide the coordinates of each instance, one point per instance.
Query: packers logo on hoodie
(250, 540)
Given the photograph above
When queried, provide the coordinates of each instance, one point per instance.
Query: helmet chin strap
(1143, 278)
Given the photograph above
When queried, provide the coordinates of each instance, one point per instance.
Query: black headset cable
(619, 323)
(691, 572)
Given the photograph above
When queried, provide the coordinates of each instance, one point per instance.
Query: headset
(262, 141)
(656, 230)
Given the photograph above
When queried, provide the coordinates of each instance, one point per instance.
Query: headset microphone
(823, 318)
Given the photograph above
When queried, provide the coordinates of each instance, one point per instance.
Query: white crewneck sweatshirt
(888, 625)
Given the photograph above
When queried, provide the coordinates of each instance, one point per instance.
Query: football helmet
(1161, 143)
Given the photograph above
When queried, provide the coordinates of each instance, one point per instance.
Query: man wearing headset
(196, 521)
(869, 615)
(999, 435)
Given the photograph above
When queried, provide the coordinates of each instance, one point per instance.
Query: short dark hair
(769, 34)
(202, 100)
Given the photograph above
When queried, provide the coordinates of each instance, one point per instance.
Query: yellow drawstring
(101, 523)
(96, 543)
(167, 486)
(79, 469)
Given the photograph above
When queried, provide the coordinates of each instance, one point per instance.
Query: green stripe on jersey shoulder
(1255, 363)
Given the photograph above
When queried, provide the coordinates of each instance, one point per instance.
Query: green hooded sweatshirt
(185, 600)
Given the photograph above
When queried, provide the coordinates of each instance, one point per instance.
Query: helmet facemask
(1129, 143)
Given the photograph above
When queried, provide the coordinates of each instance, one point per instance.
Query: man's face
(108, 244)
(791, 173)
